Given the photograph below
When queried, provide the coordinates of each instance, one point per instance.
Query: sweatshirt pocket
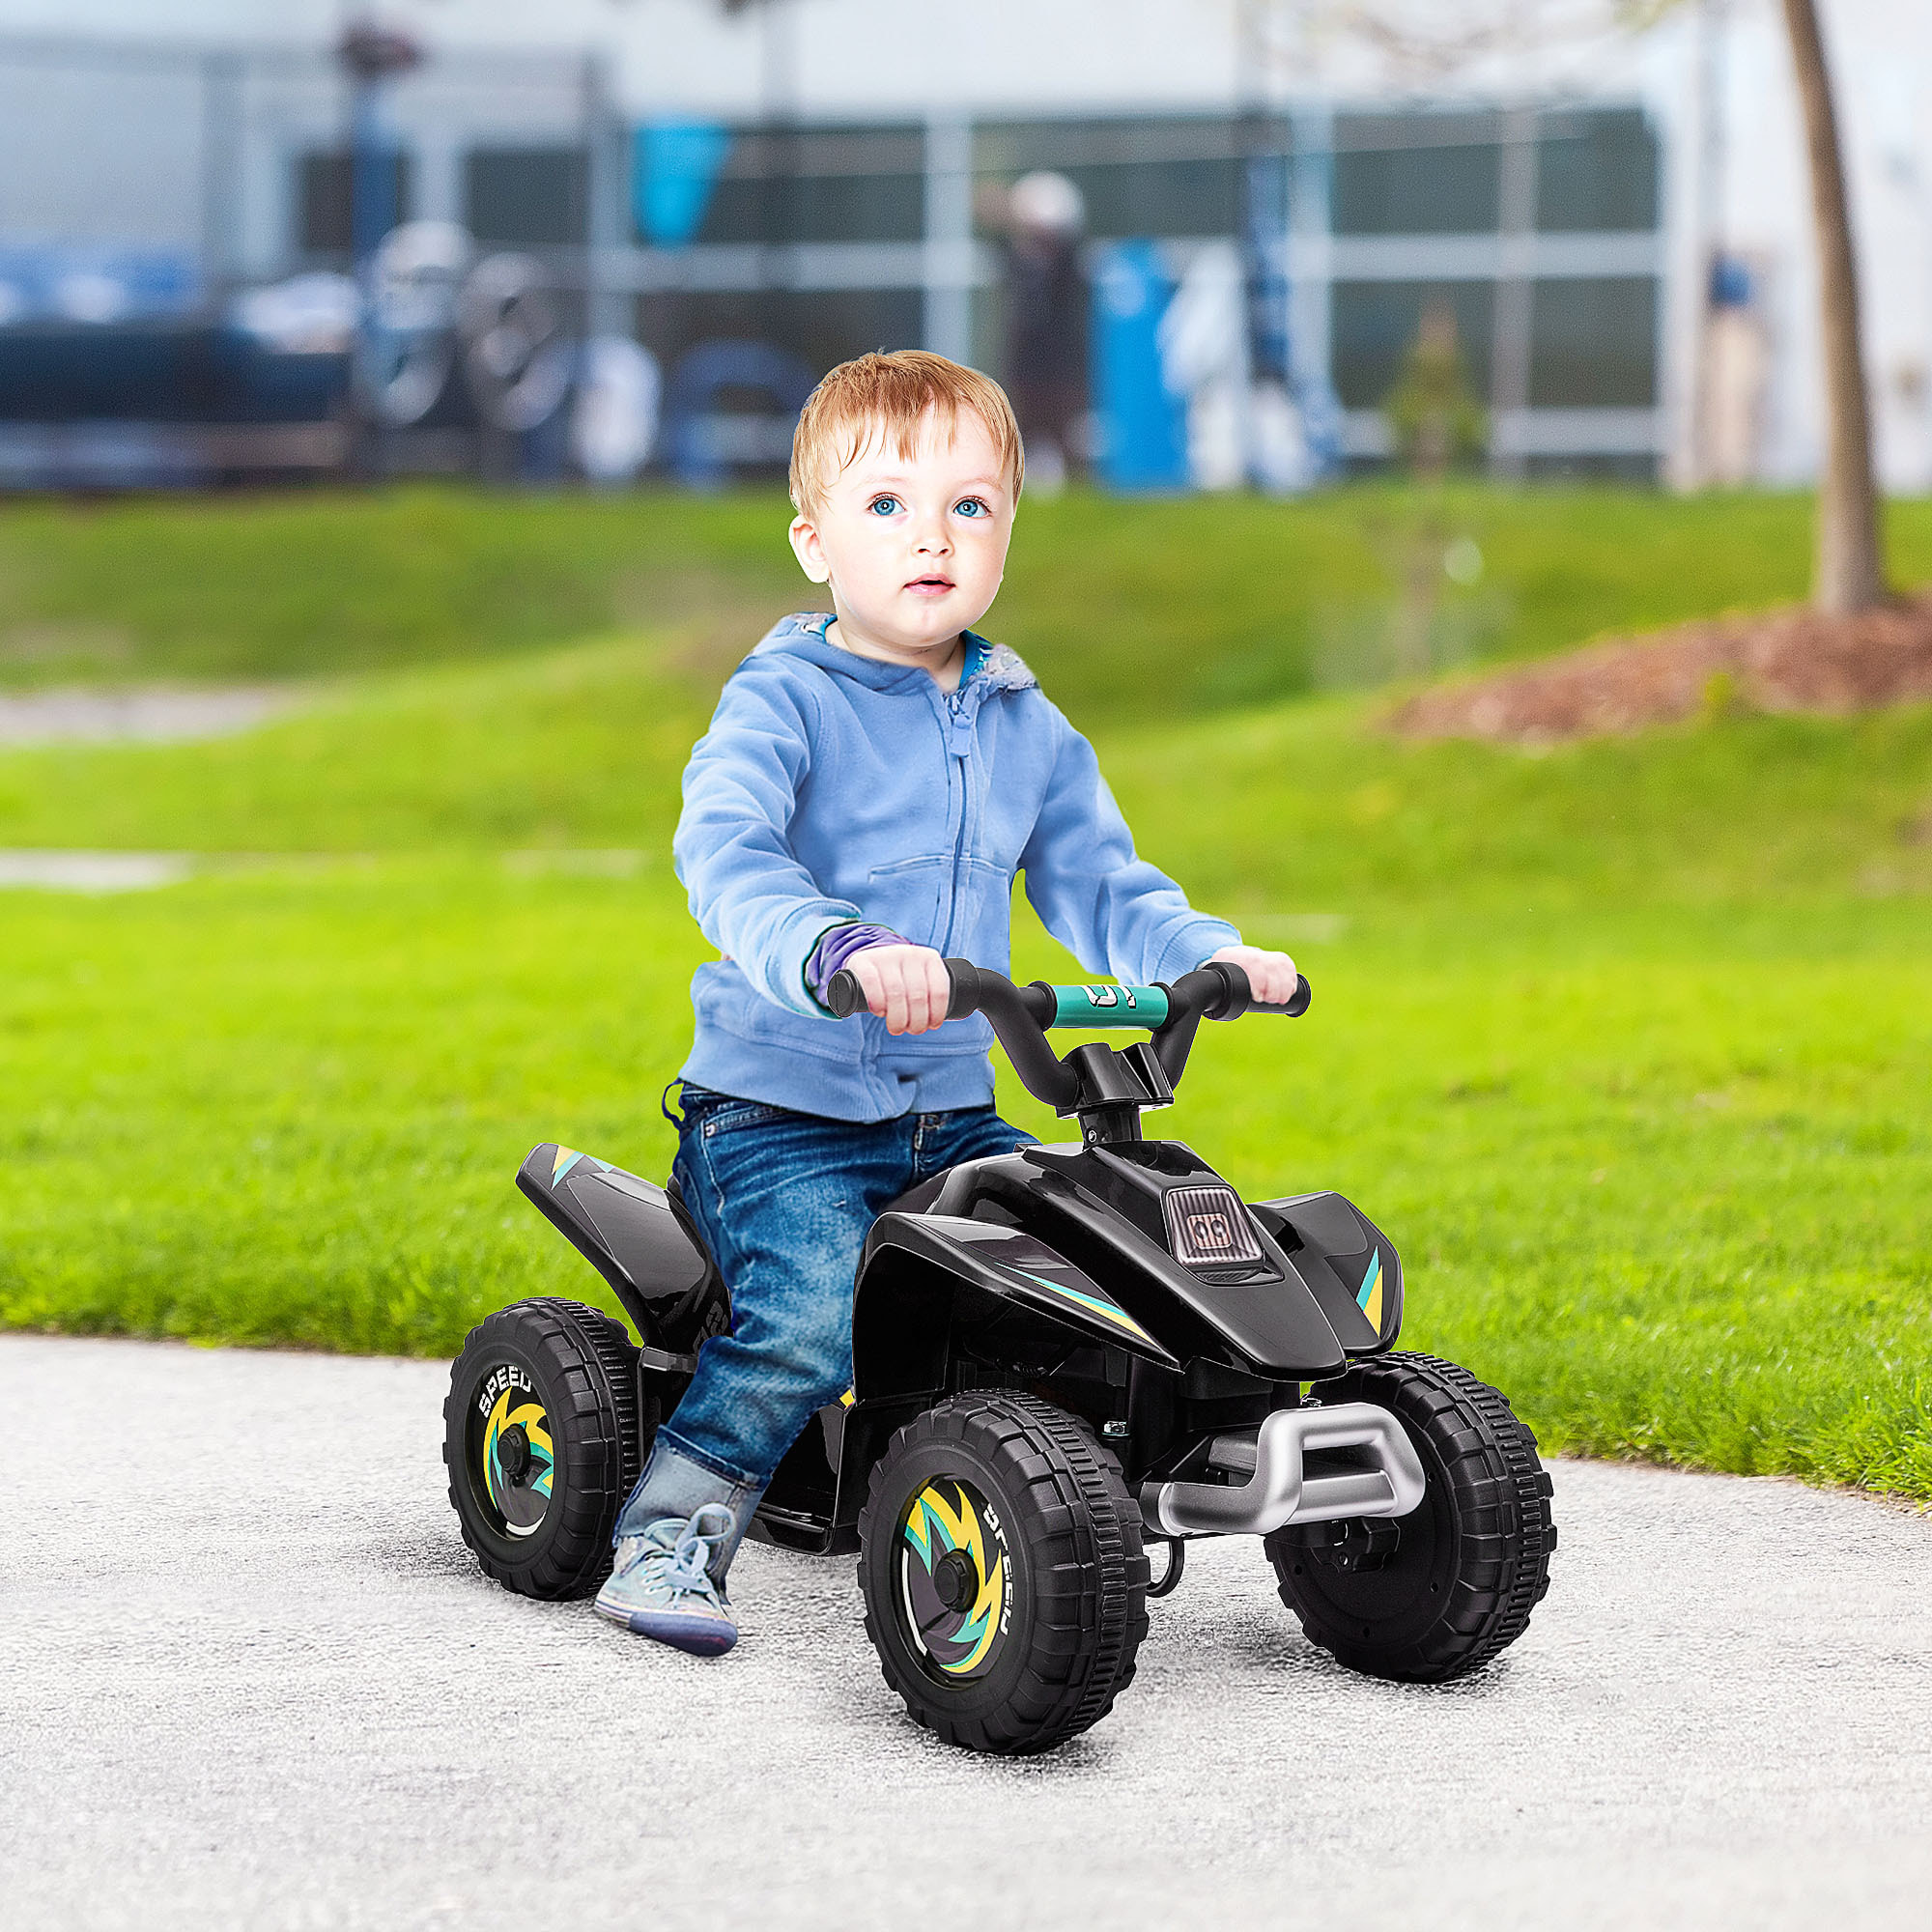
(912, 897)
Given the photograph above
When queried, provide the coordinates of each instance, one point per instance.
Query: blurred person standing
(1046, 324)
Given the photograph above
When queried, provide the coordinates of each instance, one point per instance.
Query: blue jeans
(785, 1201)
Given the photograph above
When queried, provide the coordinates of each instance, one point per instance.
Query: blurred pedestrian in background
(1046, 325)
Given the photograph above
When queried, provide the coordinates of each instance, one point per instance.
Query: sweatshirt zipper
(959, 743)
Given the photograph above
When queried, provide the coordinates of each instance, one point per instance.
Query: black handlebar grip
(1296, 1005)
(844, 995)
(1237, 997)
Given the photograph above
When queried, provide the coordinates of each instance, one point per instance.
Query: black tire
(544, 1532)
(1044, 1627)
(1437, 1593)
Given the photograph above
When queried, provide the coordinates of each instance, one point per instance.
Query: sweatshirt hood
(802, 635)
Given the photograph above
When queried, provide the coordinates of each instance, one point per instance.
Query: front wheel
(544, 1439)
(1003, 1573)
(1436, 1594)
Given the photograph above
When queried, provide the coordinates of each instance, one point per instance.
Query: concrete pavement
(252, 1678)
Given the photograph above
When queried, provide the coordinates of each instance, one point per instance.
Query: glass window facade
(1593, 344)
(1169, 177)
(1596, 173)
(1417, 175)
(1436, 178)
(526, 197)
(819, 185)
(322, 189)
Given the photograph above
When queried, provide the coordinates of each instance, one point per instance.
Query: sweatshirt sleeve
(1110, 909)
(748, 894)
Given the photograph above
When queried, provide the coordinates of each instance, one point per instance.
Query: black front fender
(1350, 1265)
(921, 1274)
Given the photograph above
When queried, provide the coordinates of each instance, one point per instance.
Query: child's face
(913, 547)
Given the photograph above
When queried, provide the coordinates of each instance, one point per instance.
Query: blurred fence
(144, 190)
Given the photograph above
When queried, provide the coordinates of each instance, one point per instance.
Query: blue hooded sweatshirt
(832, 787)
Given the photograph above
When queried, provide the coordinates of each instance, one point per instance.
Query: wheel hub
(513, 1452)
(1356, 1544)
(955, 1579)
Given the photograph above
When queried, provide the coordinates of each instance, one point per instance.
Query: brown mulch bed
(1791, 659)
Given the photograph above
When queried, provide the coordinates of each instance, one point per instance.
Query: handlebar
(1225, 995)
(1021, 1015)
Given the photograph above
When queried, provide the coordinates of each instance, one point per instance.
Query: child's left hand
(1270, 975)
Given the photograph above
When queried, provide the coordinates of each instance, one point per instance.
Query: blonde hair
(887, 395)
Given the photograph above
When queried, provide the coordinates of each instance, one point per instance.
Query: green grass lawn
(1129, 610)
(1628, 1047)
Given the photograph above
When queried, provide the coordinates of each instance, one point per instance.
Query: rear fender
(1351, 1266)
(639, 1238)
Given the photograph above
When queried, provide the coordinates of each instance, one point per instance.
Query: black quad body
(1179, 1361)
(991, 1276)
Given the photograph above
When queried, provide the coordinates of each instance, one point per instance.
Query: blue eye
(970, 506)
(884, 506)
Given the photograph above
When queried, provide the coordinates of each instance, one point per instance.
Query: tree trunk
(1850, 562)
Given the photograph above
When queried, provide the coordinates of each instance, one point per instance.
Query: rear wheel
(544, 1439)
(1003, 1573)
(1437, 1593)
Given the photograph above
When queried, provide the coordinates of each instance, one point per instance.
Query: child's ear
(808, 551)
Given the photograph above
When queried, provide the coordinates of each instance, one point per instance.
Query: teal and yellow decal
(1368, 1296)
(566, 1160)
(953, 1578)
(518, 1460)
(1093, 1301)
(1110, 1006)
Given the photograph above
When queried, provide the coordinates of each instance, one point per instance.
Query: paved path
(140, 713)
(251, 1678)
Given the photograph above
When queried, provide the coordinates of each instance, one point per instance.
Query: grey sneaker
(662, 1588)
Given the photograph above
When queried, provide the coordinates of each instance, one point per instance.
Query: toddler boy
(873, 782)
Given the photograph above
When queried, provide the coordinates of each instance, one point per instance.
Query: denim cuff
(675, 1484)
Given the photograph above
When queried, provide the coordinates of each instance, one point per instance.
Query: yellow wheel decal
(954, 1578)
(520, 1498)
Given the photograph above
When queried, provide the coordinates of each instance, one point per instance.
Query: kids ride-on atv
(1059, 1356)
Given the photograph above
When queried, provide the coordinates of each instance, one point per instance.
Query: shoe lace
(686, 1563)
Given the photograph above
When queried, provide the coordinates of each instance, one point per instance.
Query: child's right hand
(907, 986)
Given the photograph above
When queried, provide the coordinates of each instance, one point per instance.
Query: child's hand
(1271, 975)
(907, 986)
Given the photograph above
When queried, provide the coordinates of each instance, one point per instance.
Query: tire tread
(1500, 1493)
(589, 1359)
(1083, 1540)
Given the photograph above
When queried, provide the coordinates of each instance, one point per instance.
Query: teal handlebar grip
(1110, 1006)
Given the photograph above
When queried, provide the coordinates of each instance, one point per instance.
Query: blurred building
(1618, 224)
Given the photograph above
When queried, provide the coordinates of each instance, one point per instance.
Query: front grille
(1208, 1227)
